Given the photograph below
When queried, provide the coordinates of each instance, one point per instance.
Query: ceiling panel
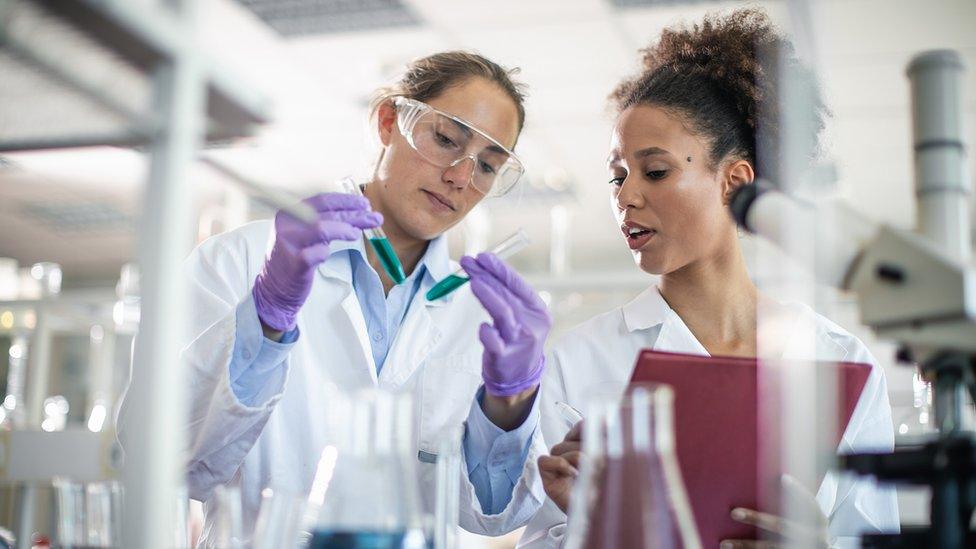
(571, 53)
(303, 17)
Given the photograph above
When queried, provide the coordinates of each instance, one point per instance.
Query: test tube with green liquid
(377, 239)
(504, 249)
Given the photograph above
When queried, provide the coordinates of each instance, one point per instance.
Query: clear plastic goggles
(446, 141)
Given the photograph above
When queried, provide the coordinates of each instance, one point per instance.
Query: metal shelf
(117, 72)
(87, 68)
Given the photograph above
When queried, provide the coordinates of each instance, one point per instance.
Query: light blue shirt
(494, 457)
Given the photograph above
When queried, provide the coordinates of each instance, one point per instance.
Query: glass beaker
(630, 492)
(228, 527)
(88, 515)
(279, 520)
(446, 504)
(365, 493)
(70, 501)
(181, 514)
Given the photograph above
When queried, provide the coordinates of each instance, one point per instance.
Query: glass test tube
(377, 238)
(506, 248)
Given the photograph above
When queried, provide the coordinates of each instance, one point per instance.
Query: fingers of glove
(329, 230)
(496, 306)
(323, 232)
(331, 202)
(512, 281)
(472, 267)
(476, 270)
(315, 254)
(490, 338)
(512, 303)
(363, 219)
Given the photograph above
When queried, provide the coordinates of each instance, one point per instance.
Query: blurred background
(319, 60)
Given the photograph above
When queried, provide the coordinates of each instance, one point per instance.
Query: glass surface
(365, 493)
(630, 492)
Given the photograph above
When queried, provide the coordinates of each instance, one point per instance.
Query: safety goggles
(446, 141)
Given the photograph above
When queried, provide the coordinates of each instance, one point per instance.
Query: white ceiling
(572, 52)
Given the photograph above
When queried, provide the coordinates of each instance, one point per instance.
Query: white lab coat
(436, 357)
(600, 355)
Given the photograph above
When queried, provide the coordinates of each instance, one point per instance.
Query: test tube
(506, 248)
(377, 238)
(570, 415)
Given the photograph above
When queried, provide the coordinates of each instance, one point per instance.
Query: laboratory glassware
(630, 492)
(504, 249)
(377, 239)
(365, 493)
(279, 520)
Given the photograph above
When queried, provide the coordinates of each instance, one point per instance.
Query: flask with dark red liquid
(629, 492)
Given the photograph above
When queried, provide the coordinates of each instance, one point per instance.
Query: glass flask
(279, 520)
(446, 505)
(228, 526)
(88, 515)
(366, 494)
(629, 492)
(181, 513)
(70, 502)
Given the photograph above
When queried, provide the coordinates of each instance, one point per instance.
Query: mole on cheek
(689, 159)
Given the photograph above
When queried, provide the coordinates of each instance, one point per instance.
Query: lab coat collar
(823, 345)
(337, 264)
(435, 260)
(646, 310)
(649, 309)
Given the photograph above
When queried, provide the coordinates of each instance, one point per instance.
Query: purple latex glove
(286, 280)
(513, 360)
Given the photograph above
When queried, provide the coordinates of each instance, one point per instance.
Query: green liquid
(389, 259)
(446, 286)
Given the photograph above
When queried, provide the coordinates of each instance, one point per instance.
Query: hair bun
(737, 57)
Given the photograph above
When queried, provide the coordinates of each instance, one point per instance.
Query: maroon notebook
(720, 442)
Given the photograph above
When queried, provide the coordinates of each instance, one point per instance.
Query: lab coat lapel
(414, 341)
(809, 340)
(807, 332)
(650, 309)
(337, 273)
(675, 337)
(419, 333)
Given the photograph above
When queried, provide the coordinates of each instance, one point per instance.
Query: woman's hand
(286, 279)
(561, 467)
(788, 532)
(513, 359)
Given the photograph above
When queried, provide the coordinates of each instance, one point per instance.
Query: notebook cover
(720, 442)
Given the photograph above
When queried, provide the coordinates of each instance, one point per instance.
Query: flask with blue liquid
(366, 494)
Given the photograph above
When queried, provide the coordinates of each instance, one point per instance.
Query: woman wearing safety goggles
(278, 323)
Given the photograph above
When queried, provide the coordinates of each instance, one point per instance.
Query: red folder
(723, 444)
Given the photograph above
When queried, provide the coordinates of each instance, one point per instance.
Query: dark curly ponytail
(721, 76)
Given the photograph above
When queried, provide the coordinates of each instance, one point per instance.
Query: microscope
(917, 288)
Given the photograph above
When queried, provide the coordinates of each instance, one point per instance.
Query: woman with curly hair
(693, 126)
